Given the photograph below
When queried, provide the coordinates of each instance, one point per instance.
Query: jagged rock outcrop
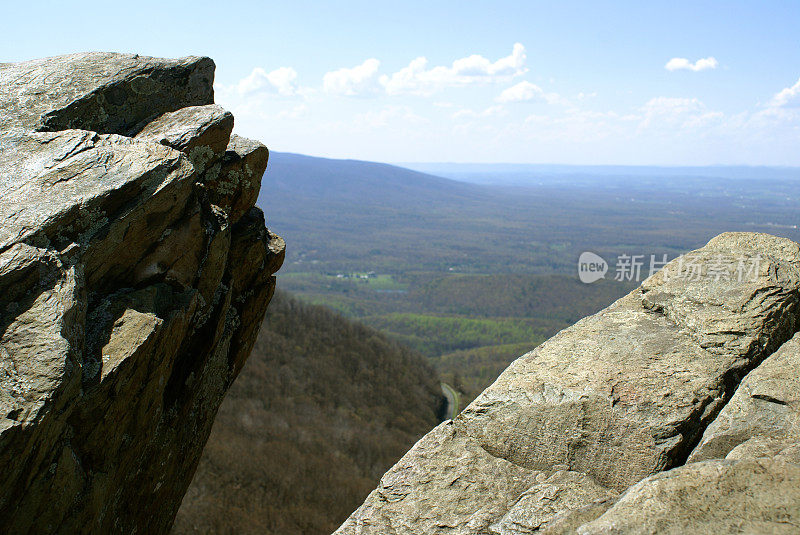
(134, 274)
(595, 426)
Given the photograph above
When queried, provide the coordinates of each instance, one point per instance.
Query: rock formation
(674, 410)
(134, 274)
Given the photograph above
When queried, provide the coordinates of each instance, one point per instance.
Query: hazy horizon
(539, 164)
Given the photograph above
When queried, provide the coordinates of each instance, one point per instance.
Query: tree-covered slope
(322, 408)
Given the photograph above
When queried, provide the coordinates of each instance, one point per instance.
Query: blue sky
(526, 82)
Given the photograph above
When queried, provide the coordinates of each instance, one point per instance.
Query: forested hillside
(469, 326)
(323, 407)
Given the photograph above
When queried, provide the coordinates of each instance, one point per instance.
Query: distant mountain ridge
(354, 179)
(351, 215)
(521, 174)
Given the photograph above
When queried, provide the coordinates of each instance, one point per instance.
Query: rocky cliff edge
(674, 410)
(134, 275)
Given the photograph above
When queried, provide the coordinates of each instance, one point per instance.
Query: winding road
(452, 401)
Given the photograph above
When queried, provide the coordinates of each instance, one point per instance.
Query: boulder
(201, 132)
(235, 181)
(628, 393)
(130, 299)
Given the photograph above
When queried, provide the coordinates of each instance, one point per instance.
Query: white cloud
(575, 126)
(294, 113)
(418, 79)
(359, 80)
(476, 65)
(671, 105)
(520, 92)
(272, 105)
(525, 91)
(787, 97)
(670, 112)
(282, 80)
(401, 116)
(676, 64)
(488, 112)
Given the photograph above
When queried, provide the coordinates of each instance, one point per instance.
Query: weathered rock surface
(538, 506)
(628, 393)
(718, 496)
(100, 91)
(763, 416)
(130, 293)
(201, 132)
(442, 485)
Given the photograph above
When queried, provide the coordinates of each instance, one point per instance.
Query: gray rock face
(130, 295)
(103, 92)
(234, 182)
(539, 505)
(201, 132)
(441, 486)
(628, 393)
(717, 496)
